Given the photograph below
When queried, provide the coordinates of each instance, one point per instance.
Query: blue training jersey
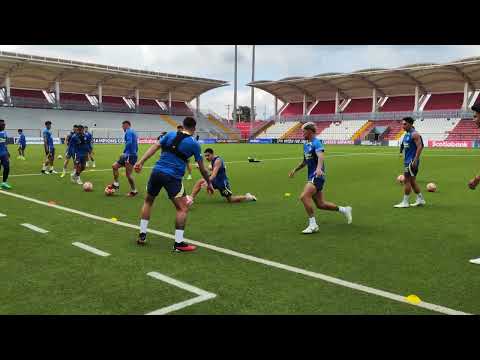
(221, 177)
(79, 144)
(48, 136)
(310, 150)
(3, 143)
(409, 145)
(171, 164)
(89, 137)
(22, 140)
(131, 143)
(69, 140)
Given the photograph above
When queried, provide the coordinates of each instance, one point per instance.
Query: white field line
(202, 294)
(287, 158)
(90, 249)
(327, 278)
(35, 228)
(2, 215)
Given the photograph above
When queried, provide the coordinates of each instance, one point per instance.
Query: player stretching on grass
(177, 148)
(22, 144)
(4, 156)
(127, 159)
(472, 184)
(413, 146)
(219, 180)
(313, 158)
(49, 149)
(80, 149)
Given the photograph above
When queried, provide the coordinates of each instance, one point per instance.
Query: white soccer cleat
(79, 181)
(348, 214)
(250, 197)
(189, 201)
(94, 166)
(87, 164)
(53, 172)
(475, 261)
(419, 202)
(310, 229)
(403, 204)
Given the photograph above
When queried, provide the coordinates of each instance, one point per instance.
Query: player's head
(2, 124)
(476, 114)
(189, 124)
(309, 131)
(75, 128)
(80, 129)
(407, 123)
(20, 131)
(126, 125)
(208, 154)
(85, 128)
(48, 124)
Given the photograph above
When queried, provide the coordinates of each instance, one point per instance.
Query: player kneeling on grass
(168, 172)
(313, 158)
(472, 184)
(80, 148)
(413, 146)
(4, 156)
(219, 180)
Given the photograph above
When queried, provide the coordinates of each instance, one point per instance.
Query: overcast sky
(273, 62)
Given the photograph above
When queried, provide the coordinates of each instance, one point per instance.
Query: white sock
(51, 168)
(341, 209)
(143, 226)
(312, 221)
(116, 183)
(405, 198)
(44, 168)
(134, 190)
(420, 196)
(179, 236)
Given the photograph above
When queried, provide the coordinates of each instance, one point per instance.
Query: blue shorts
(224, 188)
(318, 182)
(50, 152)
(70, 154)
(80, 159)
(159, 180)
(132, 159)
(22, 146)
(4, 160)
(410, 171)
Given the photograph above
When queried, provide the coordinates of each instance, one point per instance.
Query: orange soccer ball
(87, 186)
(109, 190)
(431, 187)
(401, 179)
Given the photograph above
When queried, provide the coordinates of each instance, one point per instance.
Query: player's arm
(298, 168)
(204, 172)
(321, 157)
(150, 152)
(45, 143)
(216, 169)
(418, 142)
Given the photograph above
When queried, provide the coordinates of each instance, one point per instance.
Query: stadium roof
(38, 72)
(430, 78)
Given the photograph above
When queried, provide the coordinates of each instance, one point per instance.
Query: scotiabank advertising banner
(338, 142)
(450, 144)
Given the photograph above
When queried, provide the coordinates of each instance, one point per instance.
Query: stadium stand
(246, 128)
(277, 130)
(180, 108)
(148, 106)
(114, 104)
(298, 133)
(341, 130)
(293, 109)
(465, 130)
(359, 106)
(29, 98)
(398, 103)
(323, 107)
(71, 101)
(435, 129)
(452, 101)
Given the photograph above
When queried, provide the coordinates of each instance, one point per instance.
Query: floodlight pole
(252, 102)
(57, 93)
(99, 91)
(7, 87)
(235, 89)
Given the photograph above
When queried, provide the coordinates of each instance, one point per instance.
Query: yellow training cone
(414, 299)
(287, 194)
(114, 219)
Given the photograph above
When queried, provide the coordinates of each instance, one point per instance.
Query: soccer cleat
(5, 186)
(87, 164)
(419, 202)
(348, 214)
(45, 172)
(250, 197)
(189, 177)
(114, 187)
(79, 181)
(183, 247)
(310, 229)
(132, 193)
(53, 172)
(142, 239)
(475, 261)
(403, 204)
(94, 166)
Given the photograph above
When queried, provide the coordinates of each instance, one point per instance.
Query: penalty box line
(274, 264)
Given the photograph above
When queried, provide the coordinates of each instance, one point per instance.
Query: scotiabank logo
(452, 144)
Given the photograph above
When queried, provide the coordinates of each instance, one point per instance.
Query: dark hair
(48, 122)
(209, 150)
(179, 127)
(20, 130)
(409, 120)
(189, 122)
(126, 122)
(80, 127)
(476, 108)
(1, 120)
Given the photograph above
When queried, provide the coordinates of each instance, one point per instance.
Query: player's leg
(45, 163)
(115, 168)
(65, 163)
(420, 201)
(407, 189)
(319, 199)
(131, 181)
(92, 159)
(51, 160)
(196, 188)
(5, 164)
(154, 185)
(19, 152)
(307, 200)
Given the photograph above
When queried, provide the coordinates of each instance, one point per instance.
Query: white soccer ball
(59, 157)
(401, 179)
(87, 186)
(431, 187)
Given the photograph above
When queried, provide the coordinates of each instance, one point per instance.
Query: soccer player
(49, 148)
(80, 148)
(70, 153)
(89, 137)
(22, 144)
(127, 159)
(167, 173)
(413, 146)
(4, 156)
(189, 167)
(472, 184)
(313, 158)
(219, 181)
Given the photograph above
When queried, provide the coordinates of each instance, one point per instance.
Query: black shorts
(173, 186)
(4, 160)
(223, 188)
(80, 159)
(22, 147)
(132, 159)
(410, 170)
(319, 182)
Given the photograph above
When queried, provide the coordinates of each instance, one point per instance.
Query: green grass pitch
(421, 251)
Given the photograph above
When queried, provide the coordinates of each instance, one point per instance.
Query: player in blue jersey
(22, 144)
(473, 183)
(49, 148)
(4, 156)
(90, 160)
(313, 158)
(189, 167)
(219, 181)
(80, 147)
(70, 152)
(127, 159)
(168, 172)
(413, 146)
